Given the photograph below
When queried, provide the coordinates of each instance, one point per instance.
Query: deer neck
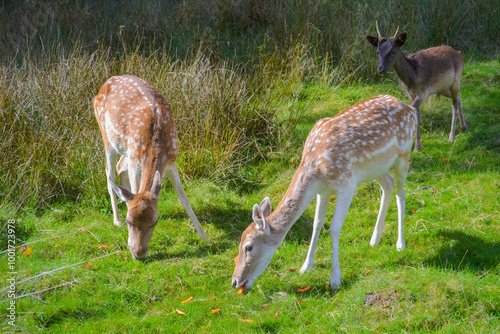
(300, 193)
(404, 69)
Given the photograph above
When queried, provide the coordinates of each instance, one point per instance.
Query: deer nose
(235, 282)
(381, 70)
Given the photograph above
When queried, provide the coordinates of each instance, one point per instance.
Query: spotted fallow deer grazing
(361, 143)
(436, 70)
(137, 123)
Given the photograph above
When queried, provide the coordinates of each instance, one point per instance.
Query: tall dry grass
(232, 71)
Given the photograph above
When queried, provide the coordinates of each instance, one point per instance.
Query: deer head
(257, 247)
(387, 48)
(142, 215)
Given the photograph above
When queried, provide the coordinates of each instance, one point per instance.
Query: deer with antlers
(136, 123)
(359, 144)
(436, 70)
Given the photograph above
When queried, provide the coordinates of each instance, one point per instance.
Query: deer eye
(248, 248)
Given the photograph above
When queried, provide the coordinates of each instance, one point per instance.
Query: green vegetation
(246, 81)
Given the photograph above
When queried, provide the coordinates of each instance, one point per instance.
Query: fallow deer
(436, 70)
(359, 144)
(137, 123)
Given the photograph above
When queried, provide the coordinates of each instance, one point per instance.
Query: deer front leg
(111, 158)
(344, 199)
(319, 220)
(387, 183)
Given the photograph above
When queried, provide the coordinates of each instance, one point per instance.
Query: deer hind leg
(400, 173)
(461, 113)
(387, 183)
(111, 157)
(319, 220)
(416, 104)
(344, 199)
(174, 178)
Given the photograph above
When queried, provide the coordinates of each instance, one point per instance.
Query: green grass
(447, 280)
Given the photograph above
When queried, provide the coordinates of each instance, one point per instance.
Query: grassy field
(447, 280)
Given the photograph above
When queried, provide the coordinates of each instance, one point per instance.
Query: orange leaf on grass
(104, 246)
(187, 300)
(421, 247)
(28, 251)
(292, 268)
(246, 320)
(240, 291)
(179, 311)
(368, 271)
(307, 288)
(217, 310)
(445, 160)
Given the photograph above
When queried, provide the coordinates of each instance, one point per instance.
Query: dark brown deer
(431, 71)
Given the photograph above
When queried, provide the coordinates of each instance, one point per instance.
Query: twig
(40, 291)
(462, 260)
(328, 309)
(58, 269)
(32, 242)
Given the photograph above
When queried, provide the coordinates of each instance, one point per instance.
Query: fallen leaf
(240, 291)
(300, 300)
(217, 310)
(104, 246)
(444, 159)
(327, 287)
(307, 288)
(81, 229)
(87, 265)
(28, 251)
(409, 222)
(292, 268)
(479, 226)
(236, 258)
(421, 247)
(384, 304)
(187, 300)
(485, 153)
(246, 320)
(179, 311)
(264, 306)
(277, 314)
(368, 271)
(412, 210)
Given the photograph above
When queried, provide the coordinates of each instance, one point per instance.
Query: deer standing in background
(435, 70)
(359, 144)
(137, 123)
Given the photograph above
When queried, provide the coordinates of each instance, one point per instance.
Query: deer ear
(259, 218)
(372, 40)
(156, 187)
(401, 39)
(124, 194)
(266, 207)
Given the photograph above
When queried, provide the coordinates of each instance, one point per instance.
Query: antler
(396, 33)
(378, 32)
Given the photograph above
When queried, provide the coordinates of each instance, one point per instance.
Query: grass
(447, 280)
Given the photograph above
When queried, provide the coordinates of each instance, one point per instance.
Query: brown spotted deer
(359, 144)
(432, 71)
(136, 123)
